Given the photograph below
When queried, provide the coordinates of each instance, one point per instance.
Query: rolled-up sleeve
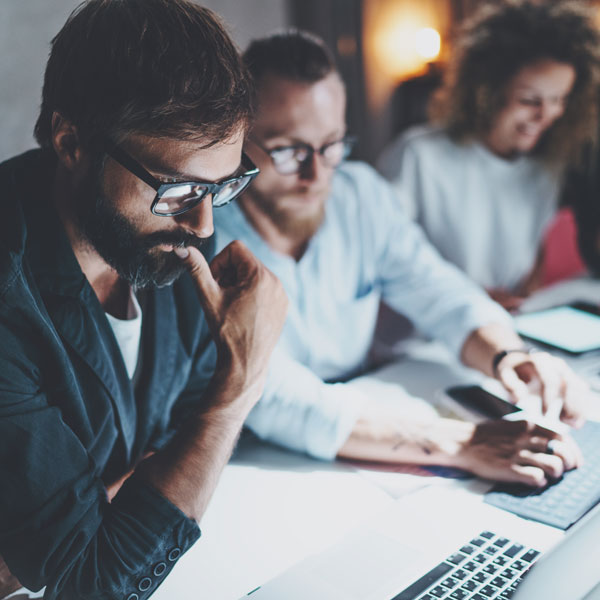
(300, 411)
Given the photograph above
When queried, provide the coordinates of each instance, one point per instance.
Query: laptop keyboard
(564, 502)
(487, 567)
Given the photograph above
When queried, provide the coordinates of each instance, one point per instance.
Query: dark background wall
(382, 97)
(27, 26)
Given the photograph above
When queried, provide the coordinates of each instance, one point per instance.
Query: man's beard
(288, 222)
(134, 256)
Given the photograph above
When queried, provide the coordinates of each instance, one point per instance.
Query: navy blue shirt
(71, 422)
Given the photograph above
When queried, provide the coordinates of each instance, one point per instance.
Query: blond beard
(297, 227)
(287, 223)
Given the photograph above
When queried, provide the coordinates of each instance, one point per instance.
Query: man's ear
(65, 140)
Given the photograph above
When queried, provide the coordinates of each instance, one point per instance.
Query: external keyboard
(565, 501)
(489, 566)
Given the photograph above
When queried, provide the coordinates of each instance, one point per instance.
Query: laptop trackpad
(363, 565)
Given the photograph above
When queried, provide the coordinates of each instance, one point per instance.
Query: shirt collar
(47, 247)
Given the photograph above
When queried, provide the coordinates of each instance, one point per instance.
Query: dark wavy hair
(164, 68)
(501, 39)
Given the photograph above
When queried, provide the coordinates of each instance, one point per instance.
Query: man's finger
(575, 394)
(568, 451)
(552, 465)
(200, 271)
(511, 381)
(234, 265)
(549, 381)
(529, 475)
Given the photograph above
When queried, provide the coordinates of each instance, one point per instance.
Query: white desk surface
(273, 508)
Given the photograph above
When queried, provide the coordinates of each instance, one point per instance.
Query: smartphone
(481, 402)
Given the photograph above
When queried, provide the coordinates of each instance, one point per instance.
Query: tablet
(565, 327)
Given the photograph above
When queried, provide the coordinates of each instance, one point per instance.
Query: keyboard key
(460, 574)
(491, 550)
(438, 591)
(480, 577)
(470, 566)
(501, 560)
(478, 597)
(467, 549)
(488, 591)
(480, 558)
(450, 583)
(426, 597)
(530, 555)
(456, 559)
(488, 535)
(509, 573)
(491, 569)
(499, 582)
(519, 565)
(513, 550)
(459, 595)
(426, 581)
(478, 542)
(501, 542)
(470, 585)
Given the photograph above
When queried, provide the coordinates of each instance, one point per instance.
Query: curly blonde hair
(502, 38)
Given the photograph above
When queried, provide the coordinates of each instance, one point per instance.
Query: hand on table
(518, 452)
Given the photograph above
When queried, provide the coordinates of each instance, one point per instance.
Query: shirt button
(133, 596)
(174, 554)
(144, 584)
(160, 568)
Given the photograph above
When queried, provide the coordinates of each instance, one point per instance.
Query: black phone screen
(481, 401)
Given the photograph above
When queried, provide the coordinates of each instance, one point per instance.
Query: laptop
(571, 570)
(445, 544)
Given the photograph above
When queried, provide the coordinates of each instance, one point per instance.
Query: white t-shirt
(128, 333)
(485, 214)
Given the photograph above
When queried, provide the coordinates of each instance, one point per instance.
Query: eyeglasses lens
(230, 191)
(178, 198)
(333, 154)
(290, 160)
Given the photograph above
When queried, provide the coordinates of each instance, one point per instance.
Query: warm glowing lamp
(428, 43)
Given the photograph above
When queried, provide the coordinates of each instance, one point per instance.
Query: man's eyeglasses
(291, 159)
(176, 198)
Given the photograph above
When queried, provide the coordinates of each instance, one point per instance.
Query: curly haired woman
(517, 104)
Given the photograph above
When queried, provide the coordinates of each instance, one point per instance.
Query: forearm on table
(436, 442)
(187, 470)
(484, 343)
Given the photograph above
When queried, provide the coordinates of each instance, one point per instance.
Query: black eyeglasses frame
(347, 140)
(161, 187)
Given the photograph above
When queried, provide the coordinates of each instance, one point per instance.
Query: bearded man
(115, 419)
